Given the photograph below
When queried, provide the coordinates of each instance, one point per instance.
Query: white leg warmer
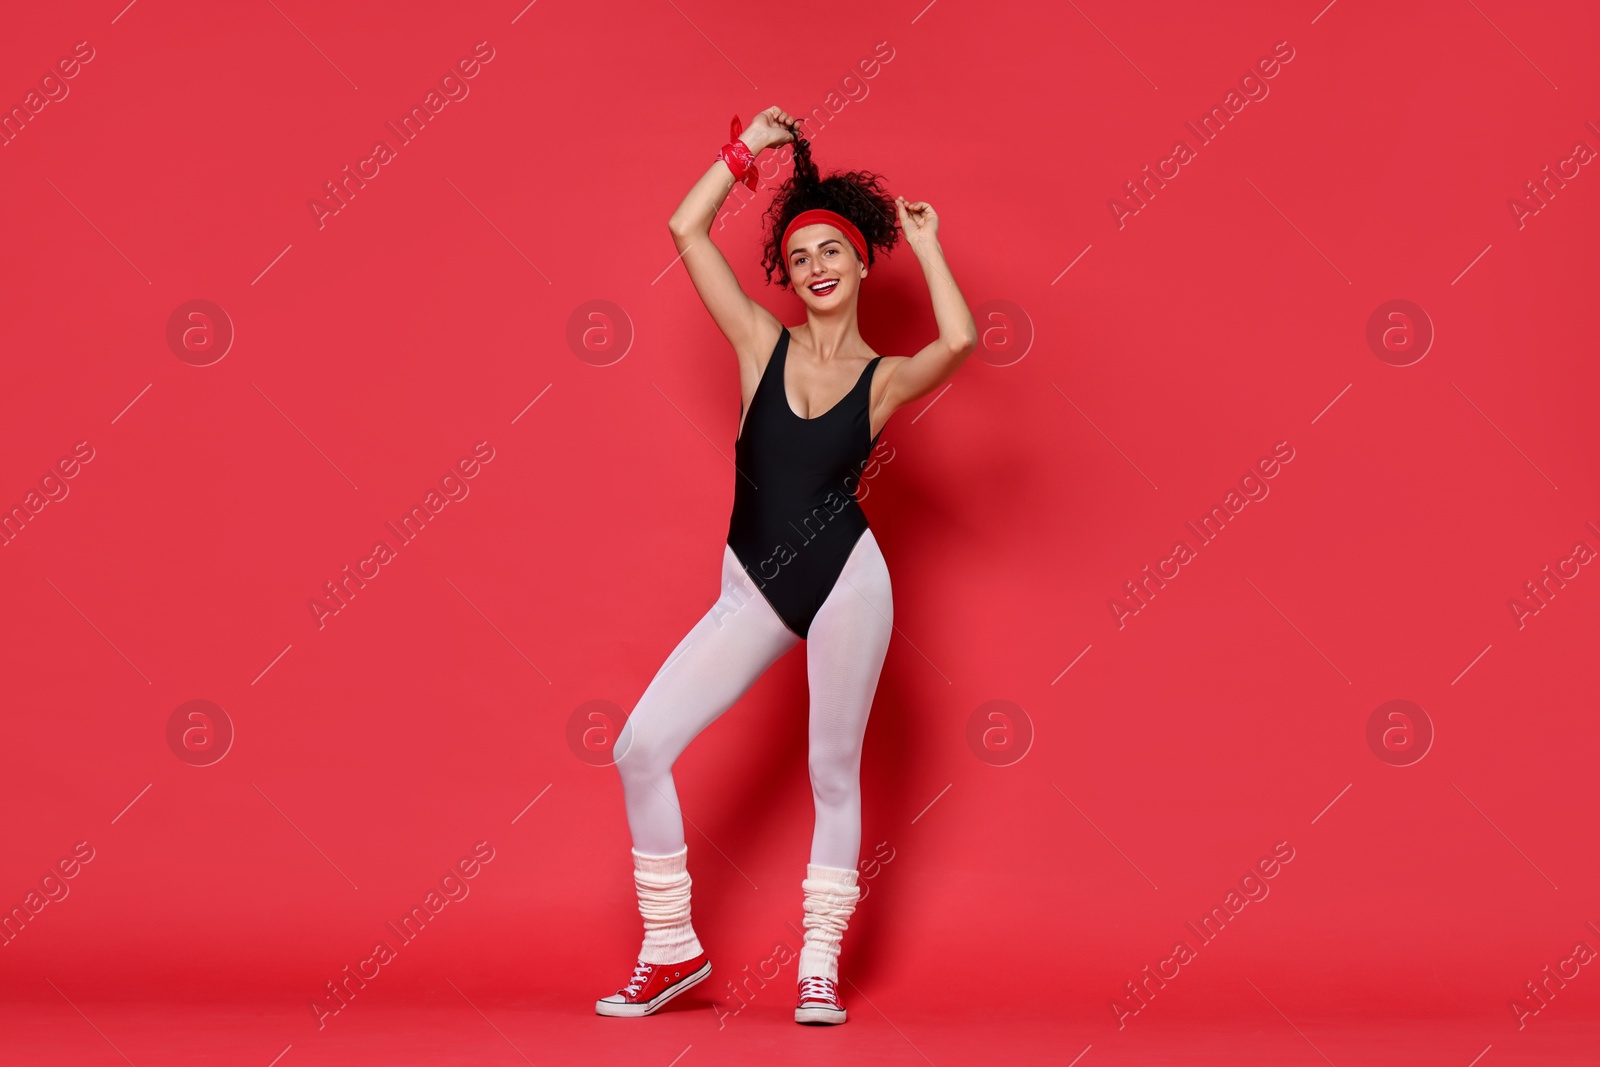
(831, 895)
(663, 885)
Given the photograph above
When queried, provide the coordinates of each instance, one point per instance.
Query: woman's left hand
(919, 223)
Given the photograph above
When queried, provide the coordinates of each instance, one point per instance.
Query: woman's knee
(835, 776)
(636, 757)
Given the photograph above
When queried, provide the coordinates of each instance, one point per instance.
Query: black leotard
(795, 516)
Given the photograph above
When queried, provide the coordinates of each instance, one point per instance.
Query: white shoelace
(817, 987)
(640, 973)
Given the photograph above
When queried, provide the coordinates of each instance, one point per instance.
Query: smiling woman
(800, 561)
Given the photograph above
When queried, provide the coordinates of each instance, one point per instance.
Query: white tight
(722, 655)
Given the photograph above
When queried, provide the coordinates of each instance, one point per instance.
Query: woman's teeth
(824, 288)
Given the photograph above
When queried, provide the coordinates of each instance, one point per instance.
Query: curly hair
(858, 195)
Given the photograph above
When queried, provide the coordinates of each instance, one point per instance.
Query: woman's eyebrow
(824, 241)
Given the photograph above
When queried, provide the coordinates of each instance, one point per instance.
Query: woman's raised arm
(736, 315)
(908, 379)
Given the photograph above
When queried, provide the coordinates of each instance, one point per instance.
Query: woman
(800, 562)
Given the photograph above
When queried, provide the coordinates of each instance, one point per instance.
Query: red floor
(486, 1034)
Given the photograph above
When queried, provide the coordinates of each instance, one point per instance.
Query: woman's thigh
(720, 657)
(845, 650)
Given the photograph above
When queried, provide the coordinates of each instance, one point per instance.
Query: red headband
(815, 215)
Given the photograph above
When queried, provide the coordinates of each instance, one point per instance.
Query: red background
(374, 351)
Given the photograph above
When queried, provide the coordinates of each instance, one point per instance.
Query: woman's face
(823, 267)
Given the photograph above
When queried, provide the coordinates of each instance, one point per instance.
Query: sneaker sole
(819, 1016)
(634, 1011)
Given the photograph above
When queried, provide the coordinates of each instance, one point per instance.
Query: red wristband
(737, 155)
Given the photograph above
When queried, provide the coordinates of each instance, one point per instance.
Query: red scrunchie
(737, 155)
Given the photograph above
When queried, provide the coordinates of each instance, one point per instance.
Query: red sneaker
(652, 985)
(819, 1002)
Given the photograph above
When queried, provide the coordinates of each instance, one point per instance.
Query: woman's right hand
(770, 128)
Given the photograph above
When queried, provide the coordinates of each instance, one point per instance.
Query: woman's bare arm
(908, 379)
(744, 322)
